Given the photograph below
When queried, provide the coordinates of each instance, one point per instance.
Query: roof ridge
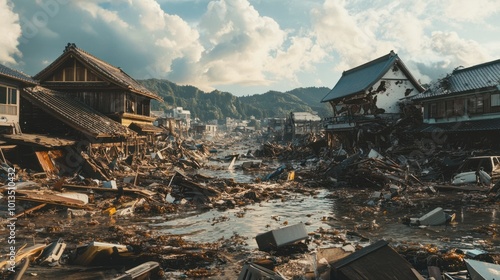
(23, 76)
(73, 46)
(484, 64)
(377, 60)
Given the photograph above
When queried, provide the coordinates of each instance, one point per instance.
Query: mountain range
(219, 105)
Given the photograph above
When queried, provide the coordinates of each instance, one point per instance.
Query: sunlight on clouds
(110, 17)
(248, 43)
(470, 11)
(238, 41)
(458, 51)
(11, 32)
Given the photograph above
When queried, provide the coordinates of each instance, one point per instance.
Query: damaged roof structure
(102, 86)
(370, 93)
(464, 103)
(77, 103)
(70, 112)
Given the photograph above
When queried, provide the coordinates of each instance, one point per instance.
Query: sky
(248, 47)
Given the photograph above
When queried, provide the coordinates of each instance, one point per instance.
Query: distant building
(301, 123)
(202, 130)
(184, 115)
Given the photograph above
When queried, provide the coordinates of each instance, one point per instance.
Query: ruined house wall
(382, 98)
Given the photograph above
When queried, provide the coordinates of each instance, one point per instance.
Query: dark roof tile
(75, 113)
(16, 75)
(361, 78)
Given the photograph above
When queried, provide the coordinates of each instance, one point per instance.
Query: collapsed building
(78, 103)
(366, 99)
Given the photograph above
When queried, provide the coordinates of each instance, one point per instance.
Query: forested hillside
(219, 105)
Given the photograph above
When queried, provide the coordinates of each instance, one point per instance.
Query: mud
(210, 234)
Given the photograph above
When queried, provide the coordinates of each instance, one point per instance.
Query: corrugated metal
(477, 77)
(16, 75)
(464, 80)
(75, 114)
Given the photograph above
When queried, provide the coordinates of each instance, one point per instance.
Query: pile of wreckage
(108, 189)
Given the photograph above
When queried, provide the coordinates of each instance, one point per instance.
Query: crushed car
(481, 170)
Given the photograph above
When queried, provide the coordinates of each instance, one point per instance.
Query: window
(495, 100)
(8, 100)
(440, 110)
(433, 110)
(475, 105)
(449, 108)
(459, 107)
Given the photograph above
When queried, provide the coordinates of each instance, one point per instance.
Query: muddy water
(252, 220)
(469, 230)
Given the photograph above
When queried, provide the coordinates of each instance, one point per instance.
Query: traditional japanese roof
(105, 70)
(360, 79)
(472, 79)
(16, 75)
(75, 113)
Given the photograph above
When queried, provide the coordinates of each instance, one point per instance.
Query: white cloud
(10, 29)
(457, 51)
(470, 11)
(239, 43)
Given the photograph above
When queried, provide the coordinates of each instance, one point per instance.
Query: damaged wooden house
(366, 99)
(463, 108)
(15, 145)
(83, 104)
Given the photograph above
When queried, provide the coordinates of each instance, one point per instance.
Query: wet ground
(214, 242)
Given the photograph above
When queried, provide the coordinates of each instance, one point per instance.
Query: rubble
(106, 210)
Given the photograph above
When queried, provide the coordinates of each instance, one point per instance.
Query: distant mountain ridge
(219, 105)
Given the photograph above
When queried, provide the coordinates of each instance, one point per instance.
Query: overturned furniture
(279, 237)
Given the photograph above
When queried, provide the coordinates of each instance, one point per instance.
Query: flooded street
(253, 219)
(202, 223)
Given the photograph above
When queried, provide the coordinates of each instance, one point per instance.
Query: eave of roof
(109, 72)
(76, 114)
(479, 78)
(16, 75)
(145, 128)
(361, 78)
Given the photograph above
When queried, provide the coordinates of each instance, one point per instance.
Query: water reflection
(252, 220)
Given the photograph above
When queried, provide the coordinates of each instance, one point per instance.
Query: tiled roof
(361, 78)
(110, 72)
(482, 76)
(465, 126)
(16, 75)
(75, 113)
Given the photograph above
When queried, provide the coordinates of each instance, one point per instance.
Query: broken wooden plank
(144, 193)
